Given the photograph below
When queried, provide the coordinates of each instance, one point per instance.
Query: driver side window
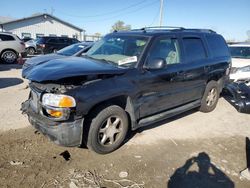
(166, 49)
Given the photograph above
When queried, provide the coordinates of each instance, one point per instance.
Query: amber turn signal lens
(54, 113)
(66, 102)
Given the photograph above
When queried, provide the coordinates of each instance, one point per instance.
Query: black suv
(47, 45)
(127, 80)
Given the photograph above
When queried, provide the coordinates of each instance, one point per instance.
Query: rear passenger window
(167, 49)
(217, 45)
(6, 38)
(194, 49)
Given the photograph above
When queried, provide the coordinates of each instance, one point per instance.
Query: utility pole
(161, 12)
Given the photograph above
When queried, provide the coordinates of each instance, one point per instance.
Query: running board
(167, 114)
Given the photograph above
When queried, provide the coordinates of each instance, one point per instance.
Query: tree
(120, 25)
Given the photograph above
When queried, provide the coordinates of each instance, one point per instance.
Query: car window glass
(194, 49)
(53, 40)
(167, 49)
(6, 38)
(217, 45)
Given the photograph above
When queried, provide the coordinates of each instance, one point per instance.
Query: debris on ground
(82, 179)
(123, 174)
(65, 155)
(15, 163)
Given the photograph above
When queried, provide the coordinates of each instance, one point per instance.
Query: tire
(107, 129)
(31, 51)
(9, 56)
(210, 97)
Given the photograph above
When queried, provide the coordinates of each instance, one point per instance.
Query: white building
(42, 25)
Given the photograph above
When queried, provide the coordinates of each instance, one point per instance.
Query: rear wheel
(107, 129)
(210, 97)
(9, 56)
(31, 51)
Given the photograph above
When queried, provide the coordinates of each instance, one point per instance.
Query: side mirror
(155, 64)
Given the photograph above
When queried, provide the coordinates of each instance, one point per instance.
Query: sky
(231, 18)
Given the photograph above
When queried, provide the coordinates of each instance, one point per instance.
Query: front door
(161, 89)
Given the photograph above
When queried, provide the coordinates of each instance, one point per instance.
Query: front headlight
(243, 69)
(55, 100)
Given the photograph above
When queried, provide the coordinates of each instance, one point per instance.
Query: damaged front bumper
(66, 133)
(240, 96)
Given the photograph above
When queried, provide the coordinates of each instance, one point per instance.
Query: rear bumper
(67, 133)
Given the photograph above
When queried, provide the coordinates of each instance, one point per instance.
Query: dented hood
(58, 69)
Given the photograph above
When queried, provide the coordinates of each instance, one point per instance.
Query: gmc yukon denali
(127, 80)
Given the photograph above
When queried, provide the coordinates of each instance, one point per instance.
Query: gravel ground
(191, 150)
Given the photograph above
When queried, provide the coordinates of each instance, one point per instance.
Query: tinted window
(53, 40)
(167, 49)
(40, 40)
(194, 49)
(217, 45)
(62, 40)
(6, 38)
(240, 52)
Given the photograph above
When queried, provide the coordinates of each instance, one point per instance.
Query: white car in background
(240, 71)
(10, 47)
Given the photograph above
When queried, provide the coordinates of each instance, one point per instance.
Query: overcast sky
(231, 18)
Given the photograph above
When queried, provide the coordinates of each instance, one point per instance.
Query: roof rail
(161, 27)
(201, 30)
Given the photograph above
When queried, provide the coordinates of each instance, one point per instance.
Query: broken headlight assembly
(57, 106)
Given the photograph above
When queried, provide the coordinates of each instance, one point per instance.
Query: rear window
(6, 37)
(194, 49)
(217, 45)
(40, 40)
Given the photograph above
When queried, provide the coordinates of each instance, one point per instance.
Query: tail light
(42, 45)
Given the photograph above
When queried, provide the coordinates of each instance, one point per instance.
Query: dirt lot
(191, 150)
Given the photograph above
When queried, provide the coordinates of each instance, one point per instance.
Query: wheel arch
(124, 101)
(8, 49)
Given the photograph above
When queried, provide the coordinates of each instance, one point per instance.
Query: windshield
(240, 52)
(72, 49)
(120, 50)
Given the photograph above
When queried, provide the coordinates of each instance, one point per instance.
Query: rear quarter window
(194, 49)
(217, 45)
(7, 38)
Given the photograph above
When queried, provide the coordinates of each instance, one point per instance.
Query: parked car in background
(10, 47)
(47, 45)
(240, 71)
(127, 80)
(30, 46)
(73, 50)
(25, 39)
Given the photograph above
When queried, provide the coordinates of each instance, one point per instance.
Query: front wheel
(107, 129)
(210, 97)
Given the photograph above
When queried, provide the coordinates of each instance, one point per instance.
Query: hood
(240, 62)
(30, 63)
(70, 67)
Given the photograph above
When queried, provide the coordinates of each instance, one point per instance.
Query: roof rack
(170, 28)
(201, 30)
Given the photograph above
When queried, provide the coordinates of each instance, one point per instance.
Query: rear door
(195, 65)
